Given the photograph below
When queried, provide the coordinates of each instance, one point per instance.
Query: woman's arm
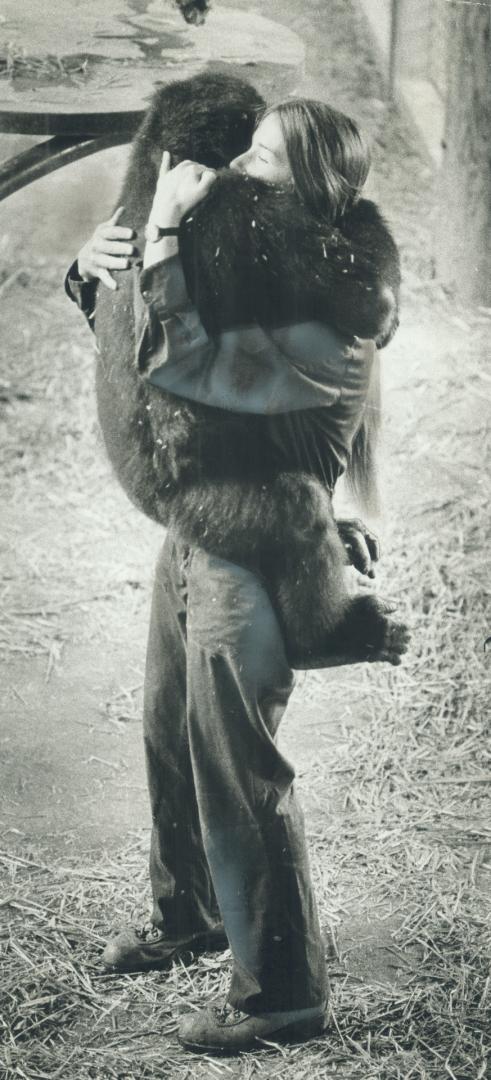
(83, 293)
(178, 191)
(109, 248)
(243, 369)
(246, 369)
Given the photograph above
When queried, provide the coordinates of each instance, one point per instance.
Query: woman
(228, 834)
(307, 389)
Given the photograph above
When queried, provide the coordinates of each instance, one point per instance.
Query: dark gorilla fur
(284, 266)
(212, 474)
(193, 11)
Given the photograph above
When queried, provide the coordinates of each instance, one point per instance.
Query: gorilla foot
(384, 639)
(367, 633)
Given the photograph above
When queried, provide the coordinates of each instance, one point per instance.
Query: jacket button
(146, 294)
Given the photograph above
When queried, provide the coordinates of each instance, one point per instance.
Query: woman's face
(266, 158)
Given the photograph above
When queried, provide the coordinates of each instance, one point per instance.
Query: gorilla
(250, 253)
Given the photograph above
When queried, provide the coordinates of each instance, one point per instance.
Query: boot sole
(299, 1031)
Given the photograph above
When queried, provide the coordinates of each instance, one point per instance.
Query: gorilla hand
(362, 546)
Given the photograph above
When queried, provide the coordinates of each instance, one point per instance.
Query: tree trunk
(463, 251)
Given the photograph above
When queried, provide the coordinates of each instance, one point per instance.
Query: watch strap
(154, 233)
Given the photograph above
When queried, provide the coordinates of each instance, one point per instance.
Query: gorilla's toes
(383, 637)
(395, 642)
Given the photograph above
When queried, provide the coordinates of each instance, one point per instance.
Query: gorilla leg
(285, 525)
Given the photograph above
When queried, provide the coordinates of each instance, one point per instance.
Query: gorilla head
(209, 118)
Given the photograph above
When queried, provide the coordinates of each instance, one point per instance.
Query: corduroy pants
(227, 838)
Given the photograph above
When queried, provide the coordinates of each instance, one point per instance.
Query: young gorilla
(219, 477)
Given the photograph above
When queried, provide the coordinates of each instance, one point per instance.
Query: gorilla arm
(283, 527)
(251, 252)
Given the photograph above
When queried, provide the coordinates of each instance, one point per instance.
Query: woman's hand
(179, 190)
(108, 249)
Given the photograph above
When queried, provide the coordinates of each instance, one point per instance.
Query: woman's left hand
(179, 190)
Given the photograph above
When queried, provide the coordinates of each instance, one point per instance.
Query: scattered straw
(397, 800)
(15, 63)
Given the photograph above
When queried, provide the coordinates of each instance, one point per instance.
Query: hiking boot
(148, 948)
(228, 1031)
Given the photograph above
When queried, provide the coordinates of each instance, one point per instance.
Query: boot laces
(148, 932)
(227, 1012)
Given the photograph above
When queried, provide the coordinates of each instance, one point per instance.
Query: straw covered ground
(394, 767)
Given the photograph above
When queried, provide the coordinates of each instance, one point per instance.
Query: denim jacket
(285, 370)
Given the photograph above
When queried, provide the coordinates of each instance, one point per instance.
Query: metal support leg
(48, 156)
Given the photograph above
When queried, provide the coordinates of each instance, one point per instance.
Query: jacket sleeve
(245, 369)
(83, 293)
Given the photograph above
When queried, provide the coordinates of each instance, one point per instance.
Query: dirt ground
(393, 766)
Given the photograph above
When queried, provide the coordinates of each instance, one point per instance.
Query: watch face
(152, 233)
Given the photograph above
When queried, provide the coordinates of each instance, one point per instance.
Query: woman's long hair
(361, 471)
(330, 161)
(327, 154)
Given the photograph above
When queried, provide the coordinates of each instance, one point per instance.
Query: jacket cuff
(163, 288)
(80, 291)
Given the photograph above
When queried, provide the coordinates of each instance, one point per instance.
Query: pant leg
(238, 685)
(183, 895)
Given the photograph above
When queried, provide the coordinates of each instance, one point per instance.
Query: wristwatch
(153, 233)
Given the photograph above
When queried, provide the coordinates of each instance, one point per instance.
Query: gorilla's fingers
(362, 545)
(373, 545)
(359, 553)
